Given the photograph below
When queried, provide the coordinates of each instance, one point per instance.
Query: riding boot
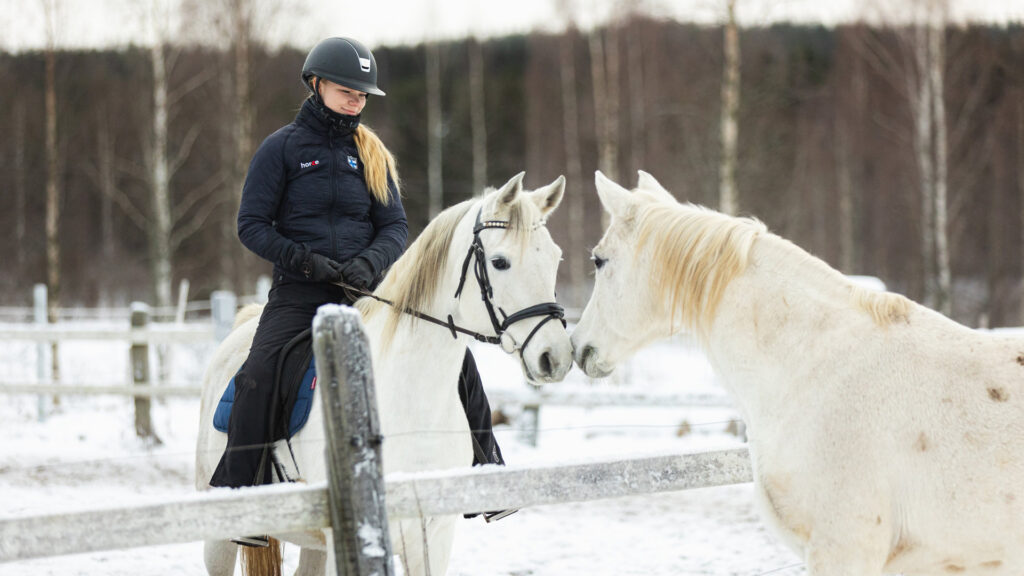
(478, 413)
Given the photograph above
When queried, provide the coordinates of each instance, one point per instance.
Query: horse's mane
(412, 281)
(698, 252)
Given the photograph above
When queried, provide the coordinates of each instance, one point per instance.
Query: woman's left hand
(357, 272)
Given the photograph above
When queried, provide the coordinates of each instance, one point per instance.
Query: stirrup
(495, 516)
(252, 541)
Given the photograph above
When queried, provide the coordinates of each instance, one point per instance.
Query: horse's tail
(246, 313)
(262, 561)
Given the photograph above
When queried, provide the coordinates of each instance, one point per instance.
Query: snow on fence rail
(276, 509)
(352, 498)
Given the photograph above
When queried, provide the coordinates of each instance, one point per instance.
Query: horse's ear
(647, 182)
(615, 199)
(508, 193)
(549, 197)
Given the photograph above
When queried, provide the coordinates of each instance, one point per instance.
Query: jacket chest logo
(308, 164)
(353, 162)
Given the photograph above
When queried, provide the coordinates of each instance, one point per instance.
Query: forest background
(893, 150)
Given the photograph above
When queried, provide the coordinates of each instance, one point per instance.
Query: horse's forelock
(696, 253)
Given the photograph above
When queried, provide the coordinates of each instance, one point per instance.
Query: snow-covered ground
(85, 455)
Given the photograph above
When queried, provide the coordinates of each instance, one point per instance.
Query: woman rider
(321, 202)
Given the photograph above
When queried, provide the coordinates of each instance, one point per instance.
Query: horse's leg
(421, 556)
(441, 534)
(219, 556)
(311, 562)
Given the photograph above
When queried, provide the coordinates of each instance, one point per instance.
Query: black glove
(320, 268)
(358, 272)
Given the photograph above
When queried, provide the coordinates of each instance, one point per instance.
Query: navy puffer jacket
(305, 191)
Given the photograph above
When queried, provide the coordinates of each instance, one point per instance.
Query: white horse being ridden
(884, 437)
(416, 364)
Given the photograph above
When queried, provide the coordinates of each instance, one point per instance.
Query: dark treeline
(820, 109)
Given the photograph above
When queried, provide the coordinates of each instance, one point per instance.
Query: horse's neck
(418, 369)
(771, 318)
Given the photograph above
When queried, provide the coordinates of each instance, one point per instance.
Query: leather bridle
(476, 254)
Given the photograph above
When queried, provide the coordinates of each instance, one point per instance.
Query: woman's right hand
(319, 268)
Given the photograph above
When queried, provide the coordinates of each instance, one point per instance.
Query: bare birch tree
(53, 276)
(728, 200)
(573, 164)
(849, 121)
(435, 127)
(604, 71)
(477, 113)
(1020, 184)
(20, 212)
(918, 72)
(159, 170)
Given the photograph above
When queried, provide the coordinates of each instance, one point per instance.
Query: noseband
(550, 310)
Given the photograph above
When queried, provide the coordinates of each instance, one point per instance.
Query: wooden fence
(348, 498)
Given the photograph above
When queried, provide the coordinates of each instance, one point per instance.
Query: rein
(551, 310)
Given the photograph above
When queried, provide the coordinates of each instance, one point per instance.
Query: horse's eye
(499, 263)
(598, 261)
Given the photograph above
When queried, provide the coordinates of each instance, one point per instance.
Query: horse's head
(661, 266)
(508, 276)
(622, 313)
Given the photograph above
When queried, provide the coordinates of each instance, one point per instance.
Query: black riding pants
(290, 310)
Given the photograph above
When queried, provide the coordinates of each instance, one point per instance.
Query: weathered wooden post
(141, 372)
(355, 476)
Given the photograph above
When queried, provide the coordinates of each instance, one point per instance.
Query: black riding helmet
(343, 61)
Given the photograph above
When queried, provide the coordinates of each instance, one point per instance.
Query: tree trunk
(921, 108)
(231, 248)
(160, 231)
(848, 149)
(1020, 192)
(477, 115)
(20, 211)
(573, 168)
(936, 50)
(637, 95)
(435, 191)
(241, 34)
(53, 276)
(106, 163)
(727, 192)
(604, 71)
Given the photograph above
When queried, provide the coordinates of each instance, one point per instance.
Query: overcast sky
(99, 23)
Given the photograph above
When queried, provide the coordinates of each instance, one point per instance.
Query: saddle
(294, 386)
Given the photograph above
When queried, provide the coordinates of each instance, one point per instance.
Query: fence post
(141, 372)
(39, 315)
(528, 423)
(355, 478)
(263, 284)
(223, 305)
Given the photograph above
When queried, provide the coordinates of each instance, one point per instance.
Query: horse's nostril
(588, 351)
(545, 363)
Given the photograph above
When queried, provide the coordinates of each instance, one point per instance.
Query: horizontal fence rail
(154, 334)
(278, 509)
(86, 389)
(596, 396)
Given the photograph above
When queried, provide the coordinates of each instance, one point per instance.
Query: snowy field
(85, 455)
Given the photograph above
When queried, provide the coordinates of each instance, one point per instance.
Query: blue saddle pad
(303, 403)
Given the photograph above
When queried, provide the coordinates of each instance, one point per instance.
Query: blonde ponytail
(378, 162)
